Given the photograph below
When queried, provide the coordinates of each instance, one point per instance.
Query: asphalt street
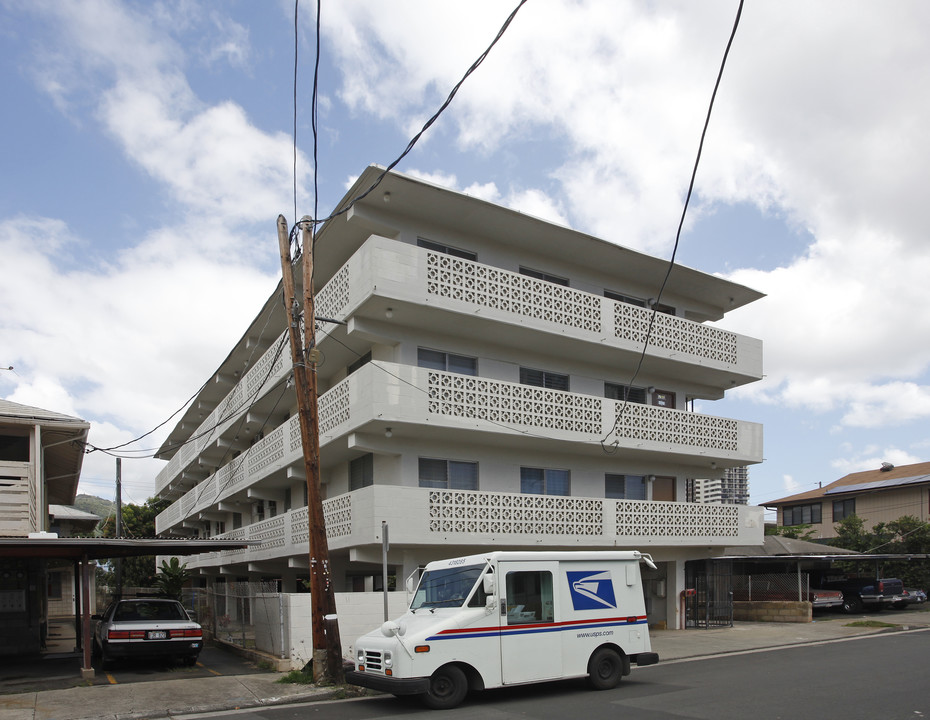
(880, 676)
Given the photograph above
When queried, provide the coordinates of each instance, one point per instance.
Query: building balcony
(183, 470)
(420, 516)
(435, 292)
(438, 406)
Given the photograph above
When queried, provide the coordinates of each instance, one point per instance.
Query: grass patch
(297, 677)
(870, 624)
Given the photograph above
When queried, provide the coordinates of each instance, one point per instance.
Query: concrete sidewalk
(164, 698)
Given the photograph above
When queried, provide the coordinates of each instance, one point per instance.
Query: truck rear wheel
(447, 688)
(605, 668)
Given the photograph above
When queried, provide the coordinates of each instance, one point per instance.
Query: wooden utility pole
(327, 647)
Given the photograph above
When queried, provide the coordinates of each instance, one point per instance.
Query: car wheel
(106, 662)
(605, 669)
(190, 660)
(447, 688)
(852, 604)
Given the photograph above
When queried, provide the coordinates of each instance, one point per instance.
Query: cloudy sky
(147, 150)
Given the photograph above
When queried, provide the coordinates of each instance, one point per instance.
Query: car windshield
(142, 610)
(448, 587)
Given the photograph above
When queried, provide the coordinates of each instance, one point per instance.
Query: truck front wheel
(605, 669)
(447, 688)
(852, 603)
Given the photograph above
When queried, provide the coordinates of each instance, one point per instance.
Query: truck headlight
(360, 656)
(388, 659)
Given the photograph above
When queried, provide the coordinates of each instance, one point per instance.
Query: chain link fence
(784, 587)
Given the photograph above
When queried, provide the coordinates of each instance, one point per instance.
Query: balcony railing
(421, 516)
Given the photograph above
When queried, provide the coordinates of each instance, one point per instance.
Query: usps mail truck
(509, 618)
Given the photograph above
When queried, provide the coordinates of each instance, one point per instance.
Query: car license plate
(157, 635)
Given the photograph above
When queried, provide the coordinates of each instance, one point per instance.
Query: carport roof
(100, 548)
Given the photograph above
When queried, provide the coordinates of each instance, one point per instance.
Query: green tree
(796, 532)
(851, 534)
(138, 522)
(906, 535)
(171, 578)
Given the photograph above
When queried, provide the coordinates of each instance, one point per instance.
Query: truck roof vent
(886, 466)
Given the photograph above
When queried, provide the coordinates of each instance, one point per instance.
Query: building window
(362, 472)
(54, 585)
(220, 527)
(287, 499)
(843, 508)
(259, 511)
(542, 378)
(436, 360)
(625, 487)
(539, 275)
(14, 448)
(616, 391)
(272, 508)
(628, 299)
(447, 249)
(529, 597)
(448, 474)
(801, 515)
(363, 360)
(544, 481)
(237, 520)
(663, 398)
(639, 302)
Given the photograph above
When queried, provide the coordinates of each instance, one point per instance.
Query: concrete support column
(676, 585)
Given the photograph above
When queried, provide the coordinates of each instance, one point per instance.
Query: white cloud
(103, 344)
(819, 118)
(871, 458)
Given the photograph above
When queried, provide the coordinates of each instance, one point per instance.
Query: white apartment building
(732, 488)
(471, 397)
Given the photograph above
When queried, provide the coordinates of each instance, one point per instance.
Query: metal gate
(708, 594)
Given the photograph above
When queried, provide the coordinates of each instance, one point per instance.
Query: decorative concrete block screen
(491, 513)
(675, 519)
(490, 287)
(513, 404)
(657, 424)
(673, 333)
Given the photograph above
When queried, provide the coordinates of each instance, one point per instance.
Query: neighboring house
(731, 489)
(881, 495)
(66, 521)
(41, 454)
(471, 396)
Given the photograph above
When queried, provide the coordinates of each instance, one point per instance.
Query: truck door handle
(503, 606)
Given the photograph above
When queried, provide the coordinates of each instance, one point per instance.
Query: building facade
(475, 378)
(41, 455)
(880, 495)
(731, 489)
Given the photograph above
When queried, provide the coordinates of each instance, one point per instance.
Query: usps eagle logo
(591, 590)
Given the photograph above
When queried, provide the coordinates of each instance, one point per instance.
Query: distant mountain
(97, 505)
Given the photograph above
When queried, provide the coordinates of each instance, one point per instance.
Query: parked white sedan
(146, 627)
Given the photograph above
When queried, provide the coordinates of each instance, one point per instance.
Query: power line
(681, 222)
(426, 126)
